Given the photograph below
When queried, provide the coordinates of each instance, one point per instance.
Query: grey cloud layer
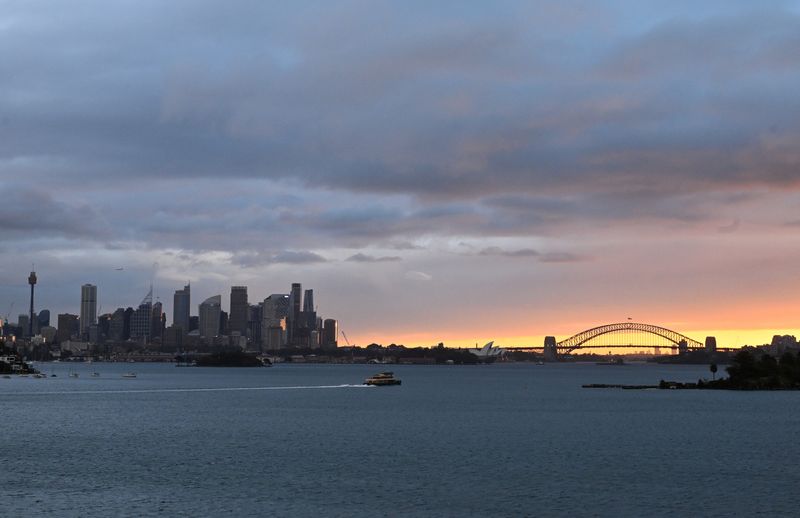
(483, 120)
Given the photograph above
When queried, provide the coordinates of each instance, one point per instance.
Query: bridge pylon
(550, 349)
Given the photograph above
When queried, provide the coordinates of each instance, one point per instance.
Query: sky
(451, 172)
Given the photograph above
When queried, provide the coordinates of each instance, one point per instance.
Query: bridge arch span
(576, 341)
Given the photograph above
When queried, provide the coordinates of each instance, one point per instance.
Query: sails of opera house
(488, 353)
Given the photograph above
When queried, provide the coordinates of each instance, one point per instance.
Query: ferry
(382, 379)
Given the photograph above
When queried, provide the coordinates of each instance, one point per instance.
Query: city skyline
(451, 172)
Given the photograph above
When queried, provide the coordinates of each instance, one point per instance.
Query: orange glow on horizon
(725, 338)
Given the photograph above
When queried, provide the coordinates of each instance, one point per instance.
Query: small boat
(129, 375)
(39, 375)
(95, 374)
(382, 379)
(73, 374)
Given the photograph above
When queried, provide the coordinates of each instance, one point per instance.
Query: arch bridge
(633, 335)
(626, 334)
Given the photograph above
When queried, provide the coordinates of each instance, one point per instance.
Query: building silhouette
(240, 311)
(181, 305)
(32, 282)
(210, 313)
(330, 333)
(88, 315)
(274, 312)
(142, 319)
(68, 326)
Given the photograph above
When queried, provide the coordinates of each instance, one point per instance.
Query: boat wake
(169, 390)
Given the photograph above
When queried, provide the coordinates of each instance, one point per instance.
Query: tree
(713, 369)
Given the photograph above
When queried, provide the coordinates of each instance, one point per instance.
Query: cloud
(496, 250)
(730, 228)
(253, 259)
(561, 257)
(417, 276)
(364, 258)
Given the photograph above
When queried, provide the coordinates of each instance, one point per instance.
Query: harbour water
(309, 440)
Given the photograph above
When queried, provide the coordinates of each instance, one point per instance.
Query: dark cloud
(365, 258)
(33, 213)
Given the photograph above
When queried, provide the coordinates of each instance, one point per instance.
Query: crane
(10, 308)
(345, 338)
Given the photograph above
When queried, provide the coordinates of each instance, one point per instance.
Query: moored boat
(129, 375)
(382, 379)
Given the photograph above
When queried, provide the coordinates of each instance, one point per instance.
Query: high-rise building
(88, 307)
(68, 326)
(120, 325)
(240, 311)
(293, 318)
(254, 324)
(180, 308)
(330, 333)
(274, 311)
(210, 312)
(23, 322)
(43, 320)
(142, 319)
(157, 321)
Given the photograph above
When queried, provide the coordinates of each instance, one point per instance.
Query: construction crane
(345, 338)
(10, 308)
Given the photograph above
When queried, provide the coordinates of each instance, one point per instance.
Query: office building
(240, 311)
(157, 322)
(142, 320)
(330, 333)
(88, 307)
(180, 308)
(68, 326)
(210, 312)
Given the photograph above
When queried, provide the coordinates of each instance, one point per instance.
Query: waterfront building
(88, 315)
(210, 311)
(181, 304)
(240, 311)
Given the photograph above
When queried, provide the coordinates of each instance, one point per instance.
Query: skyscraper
(240, 311)
(273, 321)
(330, 333)
(180, 308)
(142, 319)
(88, 307)
(157, 322)
(210, 313)
(293, 318)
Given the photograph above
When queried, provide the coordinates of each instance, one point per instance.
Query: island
(229, 358)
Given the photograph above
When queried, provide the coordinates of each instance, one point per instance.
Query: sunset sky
(435, 171)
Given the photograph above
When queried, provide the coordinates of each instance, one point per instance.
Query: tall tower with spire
(32, 282)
